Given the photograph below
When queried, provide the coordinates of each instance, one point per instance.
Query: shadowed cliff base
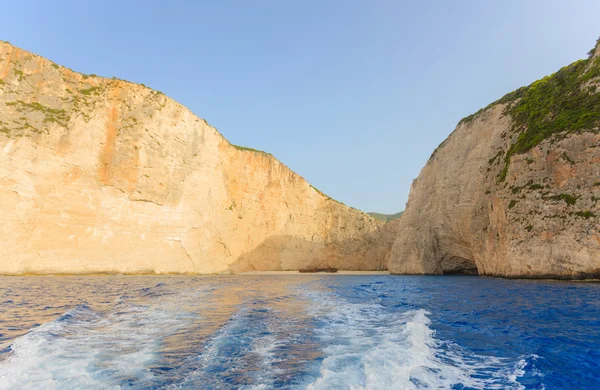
(289, 253)
(593, 276)
(454, 265)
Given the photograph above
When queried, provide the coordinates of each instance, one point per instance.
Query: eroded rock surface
(103, 175)
(514, 191)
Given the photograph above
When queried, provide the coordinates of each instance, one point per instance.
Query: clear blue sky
(353, 95)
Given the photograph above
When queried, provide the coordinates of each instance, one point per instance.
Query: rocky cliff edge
(514, 191)
(102, 175)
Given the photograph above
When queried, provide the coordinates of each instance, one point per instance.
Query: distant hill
(385, 217)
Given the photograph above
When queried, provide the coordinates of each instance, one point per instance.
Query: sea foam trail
(88, 349)
(368, 347)
(261, 347)
(293, 337)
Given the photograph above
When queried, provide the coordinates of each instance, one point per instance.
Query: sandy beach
(313, 273)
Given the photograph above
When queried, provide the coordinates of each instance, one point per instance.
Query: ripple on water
(312, 332)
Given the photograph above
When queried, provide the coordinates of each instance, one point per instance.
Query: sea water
(298, 332)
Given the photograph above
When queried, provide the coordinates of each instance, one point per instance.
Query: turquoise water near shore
(308, 332)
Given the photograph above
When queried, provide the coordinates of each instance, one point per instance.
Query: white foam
(253, 343)
(364, 346)
(369, 347)
(85, 349)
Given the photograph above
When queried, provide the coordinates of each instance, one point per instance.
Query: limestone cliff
(514, 190)
(103, 175)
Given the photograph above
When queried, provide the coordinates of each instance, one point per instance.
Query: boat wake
(368, 347)
(84, 348)
(304, 337)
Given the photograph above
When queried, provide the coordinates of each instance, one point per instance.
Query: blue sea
(298, 332)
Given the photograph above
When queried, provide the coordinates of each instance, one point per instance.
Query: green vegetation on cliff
(386, 217)
(558, 104)
(565, 102)
(50, 114)
(326, 196)
(238, 147)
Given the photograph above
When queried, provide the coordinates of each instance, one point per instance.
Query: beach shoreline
(314, 273)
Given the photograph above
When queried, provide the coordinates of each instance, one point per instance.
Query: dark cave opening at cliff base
(454, 265)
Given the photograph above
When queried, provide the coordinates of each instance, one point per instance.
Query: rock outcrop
(105, 176)
(514, 191)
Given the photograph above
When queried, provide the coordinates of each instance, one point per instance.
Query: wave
(306, 338)
(260, 347)
(84, 348)
(369, 347)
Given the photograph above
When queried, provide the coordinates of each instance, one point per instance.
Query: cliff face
(514, 190)
(102, 175)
